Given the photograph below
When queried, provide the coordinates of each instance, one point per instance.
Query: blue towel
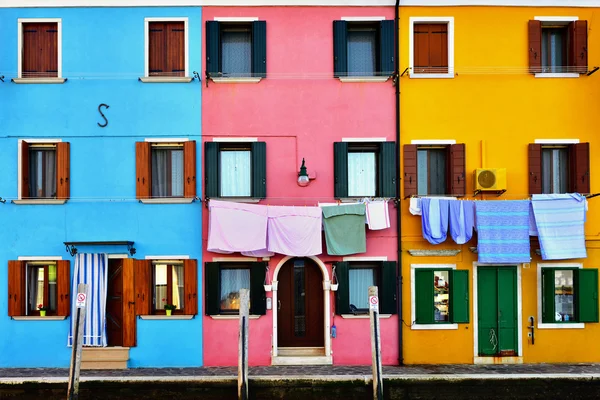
(559, 219)
(503, 231)
(434, 219)
(462, 219)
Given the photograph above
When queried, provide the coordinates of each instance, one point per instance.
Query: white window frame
(58, 78)
(411, 46)
(413, 299)
(540, 324)
(20, 199)
(166, 79)
(561, 20)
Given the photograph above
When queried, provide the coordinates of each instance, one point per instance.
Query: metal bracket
(589, 196)
(592, 71)
(197, 76)
(2, 78)
(207, 77)
(3, 201)
(404, 72)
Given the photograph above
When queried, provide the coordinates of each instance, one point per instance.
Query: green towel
(345, 229)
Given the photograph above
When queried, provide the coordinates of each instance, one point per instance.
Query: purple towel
(462, 220)
(434, 219)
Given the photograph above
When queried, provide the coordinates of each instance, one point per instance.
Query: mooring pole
(75, 368)
(243, 346)
(375, 343)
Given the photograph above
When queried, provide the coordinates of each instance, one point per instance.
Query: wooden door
(300, 318)
(114, 303)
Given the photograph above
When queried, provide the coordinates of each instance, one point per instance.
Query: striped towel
(559, 219)
(503, 231)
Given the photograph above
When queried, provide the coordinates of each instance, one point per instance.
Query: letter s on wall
(102, 114)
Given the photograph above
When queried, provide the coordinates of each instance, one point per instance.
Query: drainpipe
(398, 180)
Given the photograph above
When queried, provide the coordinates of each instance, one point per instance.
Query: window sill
(168, 200)
(38, 318)
(431, 76)
(40, 80)
(53, 202)
(156, 317)
(374, 79)
(236, 80)
(432, 327)
(233, 316)
(239, 199)
(364, 316)
(574, 325)
(557, 75)
(166, 79)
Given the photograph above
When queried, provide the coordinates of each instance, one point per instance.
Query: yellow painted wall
(497, 108)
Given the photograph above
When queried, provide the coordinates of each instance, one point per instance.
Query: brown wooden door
(114, 303)
(301, 320)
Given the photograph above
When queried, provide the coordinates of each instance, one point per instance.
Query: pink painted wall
(299, 110)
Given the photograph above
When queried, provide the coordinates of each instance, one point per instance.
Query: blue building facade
(116, 112)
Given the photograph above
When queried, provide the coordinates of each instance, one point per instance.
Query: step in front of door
(301, 356)
(104, 357)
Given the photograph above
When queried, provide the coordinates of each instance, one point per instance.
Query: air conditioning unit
(490, 179)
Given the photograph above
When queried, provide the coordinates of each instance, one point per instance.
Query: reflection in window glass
(441, 294)
(232, 280)
(563, 296)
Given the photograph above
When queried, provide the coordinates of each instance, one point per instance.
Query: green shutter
(387, 295)
(258, 297)
(342, 295)
(387, 169)
(340, 49)
(213, 48)
(424, 296)
(340, 169)
(459, 296)
(548, 295)
(259, 49)
(587, 295)
(212, 288)
(211, 169)
(259, 170)
(386, 48)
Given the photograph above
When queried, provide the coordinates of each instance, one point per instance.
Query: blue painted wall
(102, 58)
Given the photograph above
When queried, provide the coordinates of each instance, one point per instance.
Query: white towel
(415, 206)
(378, 216)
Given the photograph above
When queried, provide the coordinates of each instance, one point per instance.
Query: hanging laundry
(503, 231)
(559, 219)
(415, 206)
(294, 231)
(434, 219)
(462, 220)
(345, 229)
(236, 227)
(378, 215)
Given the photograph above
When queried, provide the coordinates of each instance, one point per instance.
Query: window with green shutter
(569, 295)
(441, 296)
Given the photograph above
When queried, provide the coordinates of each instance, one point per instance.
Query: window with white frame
(39, 48)
(431, 47)
(166, 44)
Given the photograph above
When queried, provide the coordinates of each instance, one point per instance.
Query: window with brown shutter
(45, 170)
(430, 48)
(557, 46)
(166, 48)
(559, 168)
(39, 50)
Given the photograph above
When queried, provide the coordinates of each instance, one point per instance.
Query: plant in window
(42, 309)
(168, 307)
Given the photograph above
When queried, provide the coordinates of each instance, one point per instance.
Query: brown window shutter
(24, 169)
(457, 170)
(438, 42)
(410, 170)
(535, 168)
(157, 49)
(129, 325)
(580, 162)
(63, 283)
(143, 286)
(30, 53)
(190, 268)
(421, 48)
(16, 288)
(535, 47)
(175, 48)
(40, 50)
(578, 54)
(143, 170)
(189, 168)
(63, 170)
(50, 60)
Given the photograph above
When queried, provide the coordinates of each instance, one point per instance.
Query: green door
(497, 311)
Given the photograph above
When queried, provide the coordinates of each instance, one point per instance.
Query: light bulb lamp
(303, 179)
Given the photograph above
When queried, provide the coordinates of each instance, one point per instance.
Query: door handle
(279, 304)
(131, 302)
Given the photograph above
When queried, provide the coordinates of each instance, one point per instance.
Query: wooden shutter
(143, 170)
(340, 169)
(213, 48)
(63, 170)
(457, 170)
(387, 169)
(386, 47)
(548, 295)
(342, 295)
(420, 48)
(340, 49)
(259, 169)
(459, 296)
(129, 306)
(580, 166)
(189, 168)
(212, 288)
(535, 47)
(190, 269)
(430, 48)
(25, 187)
(175, 48)
(63, 286)
(424, 307)
(387, 297)
(157, 49)
(211, 169)
(535, 168)
(587, 307)
(578, 54)
(16, 288)
(410, 170)
(40, 50)
(258, 296)
(143, 286)
(259, 49)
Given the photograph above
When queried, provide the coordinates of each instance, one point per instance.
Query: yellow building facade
(492, 97)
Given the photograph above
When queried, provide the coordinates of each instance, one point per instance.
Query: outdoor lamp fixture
(303, 179)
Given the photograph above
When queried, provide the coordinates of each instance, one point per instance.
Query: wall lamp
(303, 177)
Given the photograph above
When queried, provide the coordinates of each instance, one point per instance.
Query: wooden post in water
(375, 342)
(80, 310)
(243, 345)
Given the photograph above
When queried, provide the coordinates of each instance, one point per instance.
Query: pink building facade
(286, 96)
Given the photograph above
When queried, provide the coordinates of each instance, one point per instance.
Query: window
(166, 170)
(434, 170)
(559, 168)
(166, 48)
(431, 47)
(235, 169)
(35, 283)
(363, 49)
(364, 169)
(557, 46)
(236, 49)
(44, 170)
(440, 295)
(40, 48)
(224, 281)
(168, 284)
(569, 295)
(354, 279)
